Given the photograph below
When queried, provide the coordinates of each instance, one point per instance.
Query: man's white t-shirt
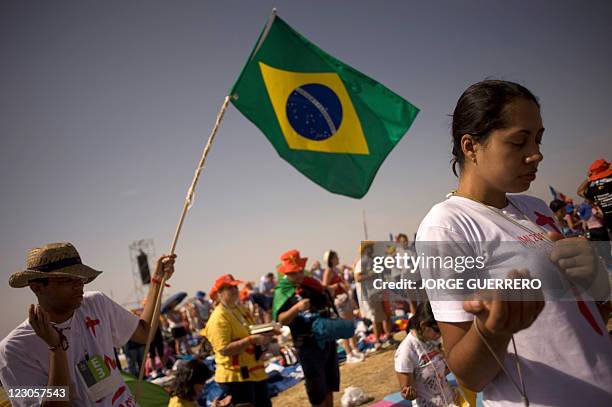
(96, 327)
(426, 363)
(566, 355)
(363, 296)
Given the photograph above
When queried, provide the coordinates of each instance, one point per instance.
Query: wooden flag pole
(365, 226)
(186, 206)
(265, 33)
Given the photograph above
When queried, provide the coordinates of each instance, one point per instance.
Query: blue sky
(105, 107)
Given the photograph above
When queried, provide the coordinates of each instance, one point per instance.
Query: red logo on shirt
(91, 324)
(110, 362)
(118, 394)
(531, 238)
(543, 220)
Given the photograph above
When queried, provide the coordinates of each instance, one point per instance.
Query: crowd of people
(506, 349)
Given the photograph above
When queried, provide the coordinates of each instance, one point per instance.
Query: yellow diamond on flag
(314, 111)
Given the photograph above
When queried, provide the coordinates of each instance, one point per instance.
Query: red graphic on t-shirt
(110, 362)
(532, 238)
(586, 312)
(91, 324)
(543, 220)
(118, 394)
(128, 403)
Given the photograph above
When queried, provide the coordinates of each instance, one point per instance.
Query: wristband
(63, 342)
(59, 346)
(157, 281)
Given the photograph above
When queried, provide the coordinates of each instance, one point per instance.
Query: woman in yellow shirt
(239, 372)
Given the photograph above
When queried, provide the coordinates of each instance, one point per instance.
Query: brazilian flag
(332, 123)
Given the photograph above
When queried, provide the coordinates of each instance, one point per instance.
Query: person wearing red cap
(598, 189)
(239, 370)
(297, 300)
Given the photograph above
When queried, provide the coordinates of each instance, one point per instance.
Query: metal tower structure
(142, 256)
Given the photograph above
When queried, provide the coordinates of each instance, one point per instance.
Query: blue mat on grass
(277, 383)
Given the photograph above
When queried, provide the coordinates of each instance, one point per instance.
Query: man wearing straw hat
(69, 337)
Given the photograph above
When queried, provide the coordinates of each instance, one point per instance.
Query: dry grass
(375, 376)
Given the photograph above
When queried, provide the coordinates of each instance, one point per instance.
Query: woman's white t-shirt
(566, 355)
(426, 363)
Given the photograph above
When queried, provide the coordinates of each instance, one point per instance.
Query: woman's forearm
(472, 362)
(236, 347)
(288, 316)
(582, 188)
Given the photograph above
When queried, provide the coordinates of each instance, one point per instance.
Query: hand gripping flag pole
(186, 207)
(331, 122)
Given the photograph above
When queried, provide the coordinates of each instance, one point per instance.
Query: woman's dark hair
(332, 254)
(480, 110)
(423, 314)
(189, 374)
(557, 204)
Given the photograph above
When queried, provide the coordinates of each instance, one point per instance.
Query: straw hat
(53, 260)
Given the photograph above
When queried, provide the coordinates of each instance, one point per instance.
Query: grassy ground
(375, 376)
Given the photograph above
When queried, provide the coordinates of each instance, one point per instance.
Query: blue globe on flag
(314, 111)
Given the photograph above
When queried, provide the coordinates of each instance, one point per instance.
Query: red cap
(291, 262)
(244, 294)
(223, 281)
(599, 169)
